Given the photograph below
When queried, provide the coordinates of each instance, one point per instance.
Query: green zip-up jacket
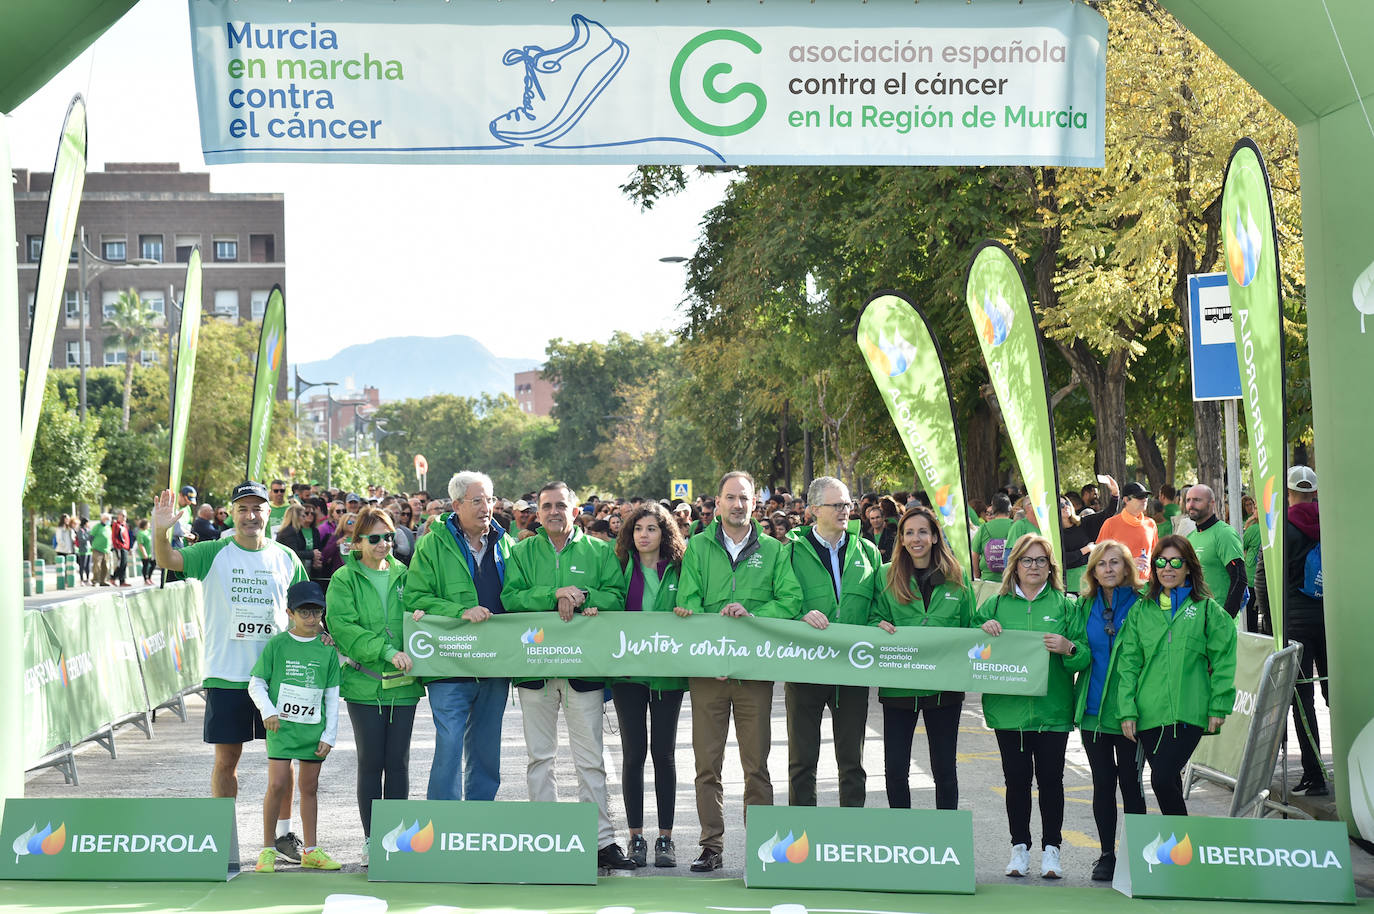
(367, 634)
(1164, 663)
(861, 580)
(951, 606)
(439, 581)
(761, 580)
(665, 602)
(535, 571)
(1050, 612)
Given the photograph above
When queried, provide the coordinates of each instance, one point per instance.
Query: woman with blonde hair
(1108, 594)
(1033, 732)
(298, 534)
(925, 586)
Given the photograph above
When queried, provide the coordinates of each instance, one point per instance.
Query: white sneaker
(365, 851)
(1049, 863)
(1020, 861)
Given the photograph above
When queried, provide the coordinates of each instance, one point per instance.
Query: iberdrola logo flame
(943, 501)
(784, 850)
(1042, 507)
(533, 637)
(980, 652)
(1172, 852)
(893, 356)
(994, 319)
(412, 840)
(1270, 506)
(1243, 246)
(45, 842)
(276, 341)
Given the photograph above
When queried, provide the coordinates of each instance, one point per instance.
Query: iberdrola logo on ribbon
(533, 637)
(1041, 505)
(44, 842)
(980, 652)
(412, 840)
(1243, 246)
(784, 850)
(943, 502)
(1172, 852)
(893, 356)
(1271, 509)
(275, 342)
(994, 319)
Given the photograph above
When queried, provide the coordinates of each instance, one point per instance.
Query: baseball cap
(189, 492)
(1134, 490)
(683, 508)
(304, 593)
(249, 488)
(523, 505)
(352, 496)
(1302, 479)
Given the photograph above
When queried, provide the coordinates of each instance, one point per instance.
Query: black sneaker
(1317, 789)
(639, 850)
(708, 861)
(611, 857)
(1105, 868)
(665, 855)
(289, 847)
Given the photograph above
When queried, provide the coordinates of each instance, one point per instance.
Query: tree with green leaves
(131, 329)
(65, 467)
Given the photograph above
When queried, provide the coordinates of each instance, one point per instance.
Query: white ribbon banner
(938, 82)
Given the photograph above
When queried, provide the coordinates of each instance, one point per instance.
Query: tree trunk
(784, 445)
(808, 459)
(982, 452)
(1151, 460)
(1171, 459)
(128, 386)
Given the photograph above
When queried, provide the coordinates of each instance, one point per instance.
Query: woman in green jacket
(925, 586)
(1107, 598)
(1033, 731)
(364, 613)
(650, 548)
(1178, 668)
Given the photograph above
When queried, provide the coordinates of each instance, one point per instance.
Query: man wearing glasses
(841, 579)
(246, 579)
(459, 572)
(563, 570)
(277, 506)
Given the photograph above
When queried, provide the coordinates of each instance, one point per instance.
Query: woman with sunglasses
(1033, 732)
(1178, 666)
(298, 534)
(1109, 595)
(364, 604)
(925, 586)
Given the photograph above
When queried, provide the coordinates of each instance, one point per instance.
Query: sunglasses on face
(375, 538)
(1162, 562)
(279, 491)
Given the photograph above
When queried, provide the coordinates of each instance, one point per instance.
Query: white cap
(1302, 479)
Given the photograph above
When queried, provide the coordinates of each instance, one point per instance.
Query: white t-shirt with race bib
(245, 603)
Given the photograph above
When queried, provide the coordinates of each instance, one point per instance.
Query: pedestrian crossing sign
(681, 489)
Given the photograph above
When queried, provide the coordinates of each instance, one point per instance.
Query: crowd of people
(1138, 622)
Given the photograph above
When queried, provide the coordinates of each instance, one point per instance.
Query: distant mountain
(401, 367)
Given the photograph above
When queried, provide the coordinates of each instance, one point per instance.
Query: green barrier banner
(882, 850)
(1252, 280)
(271, 345)
(45, 719)
(541, 646)
(906, 364)
(155, 634)
(185, 370)
(1223, 751)
(447, 841)
(1010, 339)
(125, 840)
(99, 665)
(64, 200)
(1235, 859)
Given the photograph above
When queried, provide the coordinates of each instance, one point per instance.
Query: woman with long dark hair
(650, 547)
(925, 587)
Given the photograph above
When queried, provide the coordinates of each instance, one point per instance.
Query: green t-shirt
(297, 674)
(145, 544)
(1170, 512)
(1020, 528)
(275, 514)
(1217, 547)
(308, 534)
(1250, 542)
(991, 547)
(651, 585)
(100, 537)
(381, 581)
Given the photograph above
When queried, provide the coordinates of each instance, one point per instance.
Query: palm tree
(131, 329)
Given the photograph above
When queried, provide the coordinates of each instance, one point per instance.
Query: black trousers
(942, 737)
(1112, 759)
(382, 735)
(1027, 755)
(1311, 634)
(148, 566)
(633, 704)
(1168, 749)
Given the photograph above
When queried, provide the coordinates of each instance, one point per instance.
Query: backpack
(995, 554)
(1311, 585)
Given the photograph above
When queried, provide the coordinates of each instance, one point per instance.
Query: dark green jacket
(1164, 663)
(762, 580)
(1051, 612)
(861, 579)
(665, 602)
(951, 606)
(367, 634)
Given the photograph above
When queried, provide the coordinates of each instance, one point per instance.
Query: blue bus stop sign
(1212, 338)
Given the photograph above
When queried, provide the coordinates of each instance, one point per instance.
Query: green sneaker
(318, 860)
(267, 861)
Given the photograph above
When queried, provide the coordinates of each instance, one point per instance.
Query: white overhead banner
(940, 82)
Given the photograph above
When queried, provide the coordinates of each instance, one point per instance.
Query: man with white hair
(1218, 548)
(458, 571)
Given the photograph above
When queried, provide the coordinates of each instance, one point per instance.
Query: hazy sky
(511, 255)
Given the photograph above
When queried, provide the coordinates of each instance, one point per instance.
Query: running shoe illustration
(560, 83)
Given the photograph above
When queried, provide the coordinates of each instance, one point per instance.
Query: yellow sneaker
(318, 860)
(267, 861)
